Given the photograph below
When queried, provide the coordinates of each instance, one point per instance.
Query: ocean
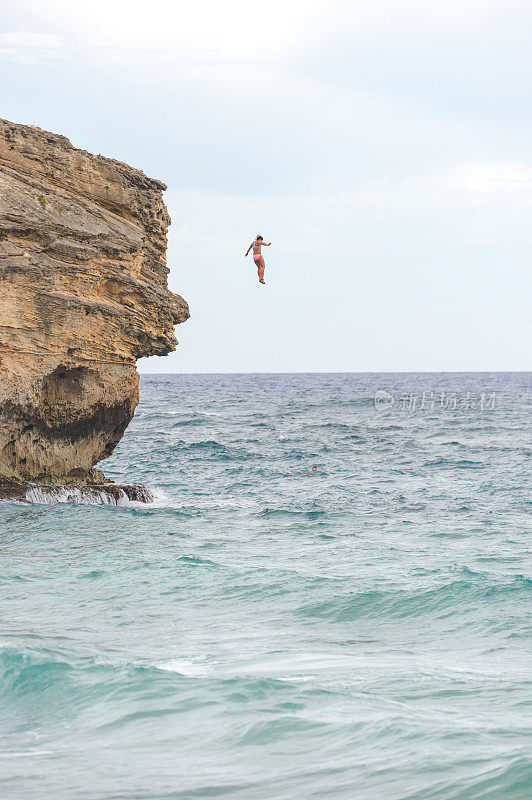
(266, 631)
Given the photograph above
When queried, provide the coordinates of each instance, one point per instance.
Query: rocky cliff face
(83, 294)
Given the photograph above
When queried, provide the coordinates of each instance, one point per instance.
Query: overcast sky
(384, 146)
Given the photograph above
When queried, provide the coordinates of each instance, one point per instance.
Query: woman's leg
(261, 266)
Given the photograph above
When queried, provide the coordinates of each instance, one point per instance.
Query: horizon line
(362, 372)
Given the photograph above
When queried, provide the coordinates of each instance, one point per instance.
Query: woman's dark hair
(260, 237)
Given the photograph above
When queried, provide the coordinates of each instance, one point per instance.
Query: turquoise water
(263, 632)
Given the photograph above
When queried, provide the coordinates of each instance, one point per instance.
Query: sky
(383, 146)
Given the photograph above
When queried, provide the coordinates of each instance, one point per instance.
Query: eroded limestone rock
(83, 294)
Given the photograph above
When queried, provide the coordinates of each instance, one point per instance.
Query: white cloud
(202, 30)
(25, 47)
(489, 178)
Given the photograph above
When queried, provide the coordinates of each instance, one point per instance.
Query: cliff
(83, 294)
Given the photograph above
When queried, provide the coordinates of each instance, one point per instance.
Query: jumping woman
(257, 256)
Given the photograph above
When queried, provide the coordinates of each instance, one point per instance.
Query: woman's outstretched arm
(249, 248)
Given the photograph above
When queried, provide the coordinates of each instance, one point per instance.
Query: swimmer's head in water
(314, 469)
(260, 238)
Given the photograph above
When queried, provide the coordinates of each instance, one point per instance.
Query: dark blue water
(265, 632)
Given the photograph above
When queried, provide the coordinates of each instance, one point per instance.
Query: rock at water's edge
(83, 294)
(107, 494)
